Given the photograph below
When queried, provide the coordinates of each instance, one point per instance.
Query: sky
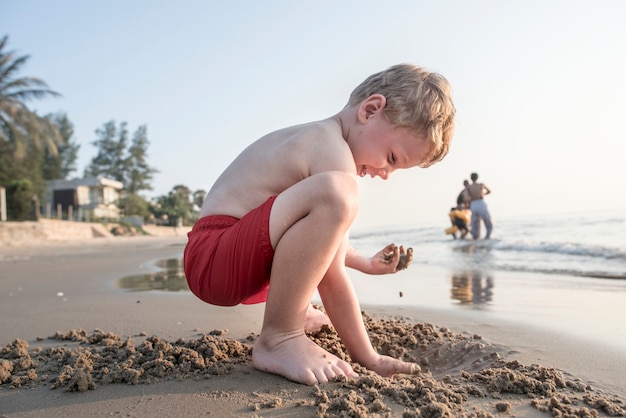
(539, 87)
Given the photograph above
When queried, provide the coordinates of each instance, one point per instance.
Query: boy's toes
(309, 379)
(347, 370)
(323, 376)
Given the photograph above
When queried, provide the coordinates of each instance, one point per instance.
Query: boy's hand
(405, 258)
(391, 259)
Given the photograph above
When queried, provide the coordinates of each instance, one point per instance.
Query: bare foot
(388, 366)
(315, 319)
(297, 358)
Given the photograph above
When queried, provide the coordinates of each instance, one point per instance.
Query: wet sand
(73, 344)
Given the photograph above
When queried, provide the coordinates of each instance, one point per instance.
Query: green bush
(20, 206)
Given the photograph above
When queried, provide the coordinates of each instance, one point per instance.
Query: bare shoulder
(309, 148)
(324, 148)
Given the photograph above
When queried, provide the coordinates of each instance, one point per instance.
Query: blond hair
(416, 99)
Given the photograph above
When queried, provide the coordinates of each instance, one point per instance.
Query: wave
(572, 249)
(592, 274)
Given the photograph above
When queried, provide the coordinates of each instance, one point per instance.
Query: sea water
(591, 244)
(564, 272)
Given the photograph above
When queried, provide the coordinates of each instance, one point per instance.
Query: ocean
(565, 273)
(591, 244)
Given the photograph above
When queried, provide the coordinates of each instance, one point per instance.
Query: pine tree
(60, 166)
(139, 173)
(110, 161)
(126, 165)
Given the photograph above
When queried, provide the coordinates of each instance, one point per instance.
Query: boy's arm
(355, 260)
(383, 262)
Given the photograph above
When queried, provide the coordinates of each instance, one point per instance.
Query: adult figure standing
(479, 208)
(463, 199)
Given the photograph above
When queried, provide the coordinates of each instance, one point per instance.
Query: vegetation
(62, 164)
(135, 205)
(20, 204)
(27, 140)
(177, 207)
(20, 128)
(34, 149)
(121, 161)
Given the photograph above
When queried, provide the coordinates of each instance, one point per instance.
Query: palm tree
(20, 127)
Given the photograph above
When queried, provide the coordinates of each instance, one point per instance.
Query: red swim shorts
(228, 260)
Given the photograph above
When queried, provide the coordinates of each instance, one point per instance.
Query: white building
(87, 198)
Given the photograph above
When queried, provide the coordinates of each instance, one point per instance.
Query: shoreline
(32, 279)
(53, 232)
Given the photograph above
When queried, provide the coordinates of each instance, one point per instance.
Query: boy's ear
(371, 106)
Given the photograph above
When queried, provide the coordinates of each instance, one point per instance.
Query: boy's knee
(340, 192)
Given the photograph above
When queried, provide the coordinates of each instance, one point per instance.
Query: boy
(274, 226)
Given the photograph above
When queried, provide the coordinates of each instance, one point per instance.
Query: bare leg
(343, 309)
(488, 224)
(307, 226)
(315, 319)
(475, 225)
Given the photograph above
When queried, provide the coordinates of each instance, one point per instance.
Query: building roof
(87, 181)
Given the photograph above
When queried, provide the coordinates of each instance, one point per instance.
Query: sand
(73, 344)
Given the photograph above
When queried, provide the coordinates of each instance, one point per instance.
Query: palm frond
(10, 66)
(18, 124)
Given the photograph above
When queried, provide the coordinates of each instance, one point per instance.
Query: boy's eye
(392, 159)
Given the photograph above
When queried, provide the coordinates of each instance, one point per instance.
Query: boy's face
(381, 148)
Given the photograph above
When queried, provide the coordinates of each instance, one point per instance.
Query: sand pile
(462, 376)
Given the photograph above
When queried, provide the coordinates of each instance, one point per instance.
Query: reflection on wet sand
(472, 287)
(171, 278)
(468, 287)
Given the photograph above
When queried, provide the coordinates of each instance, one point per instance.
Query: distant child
(274, 226)
(460, 218)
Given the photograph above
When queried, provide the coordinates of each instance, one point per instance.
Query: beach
(76, 343)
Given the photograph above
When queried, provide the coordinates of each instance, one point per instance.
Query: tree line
(35, 149)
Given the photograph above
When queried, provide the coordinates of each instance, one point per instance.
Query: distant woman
(479, 207)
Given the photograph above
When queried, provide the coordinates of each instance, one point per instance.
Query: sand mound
(462, 376)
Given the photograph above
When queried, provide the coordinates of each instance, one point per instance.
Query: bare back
(276, 162)
(477, 190)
